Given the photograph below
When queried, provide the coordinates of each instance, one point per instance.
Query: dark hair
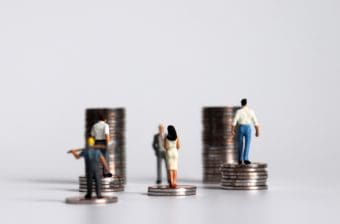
(244, 102)
(172, 135)
(102, 117)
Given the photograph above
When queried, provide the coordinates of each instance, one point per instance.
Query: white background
(163, 61)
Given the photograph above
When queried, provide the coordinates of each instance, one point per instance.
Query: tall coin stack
(219, 146)
(244, 177)
(116, 120)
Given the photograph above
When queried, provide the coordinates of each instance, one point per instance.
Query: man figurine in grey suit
(159, 152)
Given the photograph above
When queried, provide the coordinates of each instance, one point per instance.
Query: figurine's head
(161, 128)
(172, 134)
(244, 102)
(90, 141)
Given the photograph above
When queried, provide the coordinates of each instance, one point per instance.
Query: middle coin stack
(244, 177)
(108, 184)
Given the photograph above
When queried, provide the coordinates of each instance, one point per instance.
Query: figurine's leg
(166, 168)
(89, 179)
(98, 183)
(159, 169)
(175, 178)
(247, 139)
(171, 178)
(240, 143)
(106, 156)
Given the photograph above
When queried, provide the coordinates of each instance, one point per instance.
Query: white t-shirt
(99, 130)
(245, 116)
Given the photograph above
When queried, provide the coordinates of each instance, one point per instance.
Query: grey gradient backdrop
(163, 61)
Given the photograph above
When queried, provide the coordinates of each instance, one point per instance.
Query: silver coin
(245, 174)
(242, 184)
(94, 201)
(103, 190)
(188, 193)
(252, 165)
(245, 178)
(264, 187)
(103, 179)
(212, 176)
(164, 190)
(103, 183)
(241, 178)
(102, 187)
(250, 170)
(244, 181)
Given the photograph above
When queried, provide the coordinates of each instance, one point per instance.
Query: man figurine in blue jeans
(244, 117)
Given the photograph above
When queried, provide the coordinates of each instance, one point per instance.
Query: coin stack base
(165, 190)
(93, 201)
(244, 177)
(109, 184)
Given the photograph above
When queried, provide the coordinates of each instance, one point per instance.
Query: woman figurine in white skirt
(171, 145)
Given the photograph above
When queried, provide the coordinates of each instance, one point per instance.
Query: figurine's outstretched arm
(75, 153)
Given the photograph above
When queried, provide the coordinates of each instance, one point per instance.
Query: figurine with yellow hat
(92, 158)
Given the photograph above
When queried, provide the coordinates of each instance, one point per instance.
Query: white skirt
(171, 156)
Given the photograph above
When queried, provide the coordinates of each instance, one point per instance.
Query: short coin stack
(244, 177)
(219, 146)
(108, 184)
(164, 190)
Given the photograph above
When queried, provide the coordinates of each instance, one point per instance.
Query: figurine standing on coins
(172, 145)
(158, 147)
(101, 133)
(244, 117)
(92, 159)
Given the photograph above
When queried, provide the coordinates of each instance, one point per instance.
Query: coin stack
(244, 177)
(219, 146)
(164, 190)
(108, 184)
(94, 201)
(116, 149)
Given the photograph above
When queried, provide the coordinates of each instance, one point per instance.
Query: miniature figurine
(244, 117)
(101, 133)
(172, 145)
(92, 159)
(157, 145)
